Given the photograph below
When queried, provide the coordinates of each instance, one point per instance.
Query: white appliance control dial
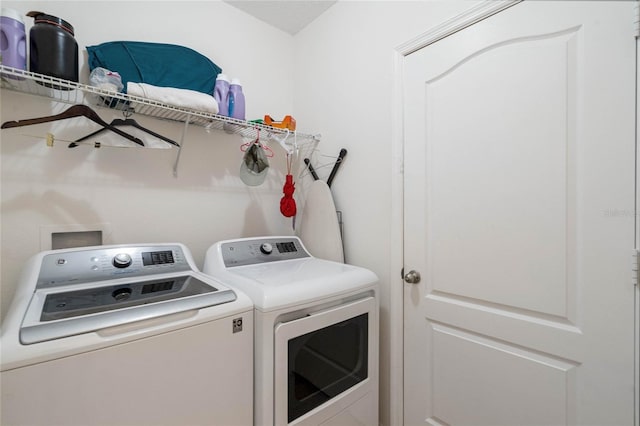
(266, 248)
(122, 260)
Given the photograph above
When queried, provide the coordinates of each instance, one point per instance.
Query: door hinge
(635, 262)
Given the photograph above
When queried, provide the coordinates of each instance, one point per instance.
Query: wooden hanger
(71, 112)
(126, 122)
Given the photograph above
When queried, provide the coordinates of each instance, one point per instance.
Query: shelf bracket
(182, 139)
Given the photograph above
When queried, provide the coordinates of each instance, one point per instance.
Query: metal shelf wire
(78, 93)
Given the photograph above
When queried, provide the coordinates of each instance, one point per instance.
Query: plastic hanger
(72, 112)
(245, 146)
(126, 122)
(283, 142)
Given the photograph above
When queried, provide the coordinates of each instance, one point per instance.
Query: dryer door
(325, 362)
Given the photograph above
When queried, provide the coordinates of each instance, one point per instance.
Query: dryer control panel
(262, 250)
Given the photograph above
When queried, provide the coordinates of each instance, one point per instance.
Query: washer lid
(60, 312)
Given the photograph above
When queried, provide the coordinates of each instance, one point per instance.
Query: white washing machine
(125, 335)
(316, 331)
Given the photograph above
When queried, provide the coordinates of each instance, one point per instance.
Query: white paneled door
(519, 170)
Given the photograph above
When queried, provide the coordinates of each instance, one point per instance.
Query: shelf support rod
(182, 139)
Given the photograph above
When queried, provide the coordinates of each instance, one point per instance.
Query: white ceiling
(289, 15)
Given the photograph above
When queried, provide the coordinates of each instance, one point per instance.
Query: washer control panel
(109, 262)
(261, 250)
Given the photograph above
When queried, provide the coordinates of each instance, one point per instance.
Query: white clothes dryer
(316, 331)
(125, 335)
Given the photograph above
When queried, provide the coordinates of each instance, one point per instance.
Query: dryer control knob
(121, 260)
(266, 248)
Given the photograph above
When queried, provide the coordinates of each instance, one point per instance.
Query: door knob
(412, 277)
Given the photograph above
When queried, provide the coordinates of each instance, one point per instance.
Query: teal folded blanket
(158, 64)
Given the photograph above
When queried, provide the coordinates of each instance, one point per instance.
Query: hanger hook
(283, 141)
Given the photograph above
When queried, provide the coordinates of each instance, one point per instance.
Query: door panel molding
(465, 19)
(546, 286)
(551, 381)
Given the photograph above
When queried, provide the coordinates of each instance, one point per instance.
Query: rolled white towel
(183, 98)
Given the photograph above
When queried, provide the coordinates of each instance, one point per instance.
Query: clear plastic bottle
(236, 100)
(221, 94)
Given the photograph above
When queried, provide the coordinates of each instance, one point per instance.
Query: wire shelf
(77, 93)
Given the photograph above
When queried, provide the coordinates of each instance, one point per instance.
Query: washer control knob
(122, 294)
(266, 248)
(122, 260)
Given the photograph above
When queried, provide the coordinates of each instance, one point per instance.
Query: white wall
(344, 86)
(336, 76)
(133, 190)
